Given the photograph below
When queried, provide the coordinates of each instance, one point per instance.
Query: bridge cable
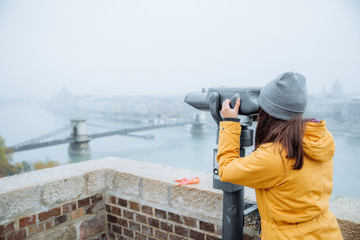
(45, 136)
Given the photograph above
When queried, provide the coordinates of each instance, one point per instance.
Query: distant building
(327, 105)
(324, 107)
(353, 109)
(336, 90)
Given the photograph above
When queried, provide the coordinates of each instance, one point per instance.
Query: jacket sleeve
(263, 168)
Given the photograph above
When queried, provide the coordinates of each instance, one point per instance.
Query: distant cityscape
(334, 105)
(134, 108)
(341, 111)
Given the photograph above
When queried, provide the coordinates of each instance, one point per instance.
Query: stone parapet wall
(79, 219)
(116, 198)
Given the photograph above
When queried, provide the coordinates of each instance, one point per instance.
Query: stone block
(95, 182)
(127, 184)
(98, 168)
(18, 201)
(155, 191)
(194, 202)
(19, 181)
(109, 179)
(63, 190)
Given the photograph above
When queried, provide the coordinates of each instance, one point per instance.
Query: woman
(291, 168)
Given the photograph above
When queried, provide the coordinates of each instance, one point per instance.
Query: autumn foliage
(8, 169)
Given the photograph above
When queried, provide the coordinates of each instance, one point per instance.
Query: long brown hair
(289, 134)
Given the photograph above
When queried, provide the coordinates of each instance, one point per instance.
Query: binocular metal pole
(233, 209)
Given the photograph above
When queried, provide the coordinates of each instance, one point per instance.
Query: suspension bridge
(77, 136)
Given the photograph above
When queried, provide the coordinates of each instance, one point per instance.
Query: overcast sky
(114, 47)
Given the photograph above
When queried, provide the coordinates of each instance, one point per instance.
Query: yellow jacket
(293, 204)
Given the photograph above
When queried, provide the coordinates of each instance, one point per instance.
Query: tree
(48, 164)
(6, 168)
(25, 166)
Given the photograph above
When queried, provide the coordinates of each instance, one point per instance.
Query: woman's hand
(227, 111)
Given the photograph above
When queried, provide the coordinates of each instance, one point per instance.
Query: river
(21, 121)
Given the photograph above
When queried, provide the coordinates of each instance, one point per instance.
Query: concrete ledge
(146, 183)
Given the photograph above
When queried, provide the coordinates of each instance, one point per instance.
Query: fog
(117, 47)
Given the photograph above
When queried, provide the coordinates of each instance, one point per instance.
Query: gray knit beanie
(285, 97)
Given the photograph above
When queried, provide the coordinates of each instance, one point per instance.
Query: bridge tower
(199, 125)
(80, 144)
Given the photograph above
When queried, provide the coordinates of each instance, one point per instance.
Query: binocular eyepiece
(249, 99)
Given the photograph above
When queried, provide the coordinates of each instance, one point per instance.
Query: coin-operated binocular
(233, 195)
(212, 101)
